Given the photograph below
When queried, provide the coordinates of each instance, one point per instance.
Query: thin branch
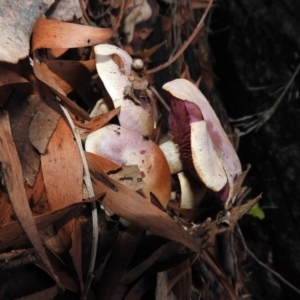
(186, 43)
(160, 98)
(120, 16)
(88, 182)
(264, 265)
(85, 15)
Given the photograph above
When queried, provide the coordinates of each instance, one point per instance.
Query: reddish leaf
(55, 34)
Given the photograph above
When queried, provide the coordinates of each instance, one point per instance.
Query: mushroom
(128, 147)
(204, 146)
(136, 112)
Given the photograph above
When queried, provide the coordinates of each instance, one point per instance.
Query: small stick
(185, 44)
(264, 265)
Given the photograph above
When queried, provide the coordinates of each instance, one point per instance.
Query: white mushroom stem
(172, 155)
(115, 80)
(191, 193)
(131, 148)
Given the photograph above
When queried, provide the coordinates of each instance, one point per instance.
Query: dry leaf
(118, 261)
(21, 109)
(162, 253)
(15, 186)
(63, 173)
(42, 72)
(15, 36)
(43, 124)
(55, 34)
(70, 74)
(47, 294)
(135, 209)
(130, 176)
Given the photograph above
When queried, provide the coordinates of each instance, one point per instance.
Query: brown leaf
(15, 36)
(139, 289)
(138, 210)
(15, 186)
(55, 34)
(21, 109)
(97, 121)
(70, 74)
(46, 294)
(129, 176)
(63, 172)
(13, 231)
(63, 175)
(42, 72)
(118, 261)
(9, 76)
(5, 208)
(162, 253)
(43, 124)
(181, 280)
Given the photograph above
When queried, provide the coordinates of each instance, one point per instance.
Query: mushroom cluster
(129, 143)
(199, 144)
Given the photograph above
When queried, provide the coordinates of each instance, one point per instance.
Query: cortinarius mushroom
(204, 146)
(128, 147)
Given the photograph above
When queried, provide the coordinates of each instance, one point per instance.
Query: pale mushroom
(128, 147)
(116, 79)
(204, 145)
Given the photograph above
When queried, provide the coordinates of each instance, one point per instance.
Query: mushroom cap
(130, 148)
(184, 90)
(115, 79)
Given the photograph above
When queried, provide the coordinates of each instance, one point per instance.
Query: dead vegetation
(90, 207)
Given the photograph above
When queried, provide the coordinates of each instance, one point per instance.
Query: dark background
(255, 47)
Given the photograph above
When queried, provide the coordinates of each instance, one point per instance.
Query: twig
(88, 182)
(85, 15)
(257, 120)
(186, 43)
(160, 98)
(120, 16)
(264, 265)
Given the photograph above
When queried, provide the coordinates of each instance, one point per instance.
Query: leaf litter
(45, 196)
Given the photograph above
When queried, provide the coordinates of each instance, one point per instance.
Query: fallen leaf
(180, 280)
(15, 186)
(21, 108)
(70, 74)
(42, 72)
(47, 294)
(162, 253)
(15, 36)
(129, 176)
(140, 288)
(56, 34)
(63, 173)
(135, 209)
(118, 261)
(43, 124)
(13, 231)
